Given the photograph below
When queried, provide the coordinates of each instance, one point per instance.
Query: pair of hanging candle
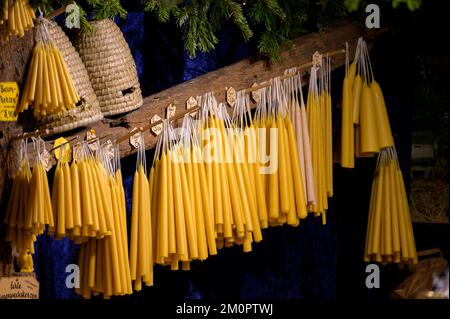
(29, 208)
(365, 122)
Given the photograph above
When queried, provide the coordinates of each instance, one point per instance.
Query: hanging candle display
(365, 122)
(81, 204)
(316, 112)
(141, 247)
(16, 18)
(29, 208)
(172, 214)
(297, 111)
(48, 87)
(389, 235)
(103, 260)
(285, 193)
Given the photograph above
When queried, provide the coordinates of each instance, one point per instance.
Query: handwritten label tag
(158, 128)
(90, 136)
(256, 96)
(19, 287)
(231, 96)
(109, 148)
(191, 103)
(9, 97)
(317, 60)
(135, 140)
(170, 111)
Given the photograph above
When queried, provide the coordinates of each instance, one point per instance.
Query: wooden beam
(240, 75)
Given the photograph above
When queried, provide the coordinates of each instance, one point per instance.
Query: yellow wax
(134, 227)
(189, 213)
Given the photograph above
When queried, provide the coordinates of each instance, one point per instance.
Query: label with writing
(317, 60)
(109, 148)
(256, 96)
(9, 97)
(231, 96)
(158, 128)
(135, 140)
(170, 111)
(90, 136)
(190, 103)
(19, 287)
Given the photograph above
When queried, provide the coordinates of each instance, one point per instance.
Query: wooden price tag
(317, 60)
(158, 128)
(231, 96)
(170, 111)
(109, 148)
(19, 287)
(9, 96)
(135, 140)
(90, 135)
(191, 103)
(256, 97)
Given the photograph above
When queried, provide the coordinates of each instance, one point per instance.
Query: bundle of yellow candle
(319, 129)
(285, 193)
(297, 112)
(104, 263)
(238, 220)
(182, 220)
(247, 157)
(48, 87)
(191, 156)
(16, 18)
(390, 237)
(82, 205)
(364, 107)
(29, 208)
(141, 247)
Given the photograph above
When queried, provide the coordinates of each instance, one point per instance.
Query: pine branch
(84, 23)
(163, 9)
(236, 12)
(108, 9)
(197, 30)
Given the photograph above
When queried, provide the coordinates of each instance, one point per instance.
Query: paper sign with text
(9, 97)
(19, 287)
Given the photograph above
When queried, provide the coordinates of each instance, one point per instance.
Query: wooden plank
(239, 75)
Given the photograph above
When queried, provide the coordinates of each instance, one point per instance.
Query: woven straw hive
(87, 110)
(111, 67)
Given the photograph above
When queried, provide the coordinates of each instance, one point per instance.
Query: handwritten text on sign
(19, 287)
(9, 96)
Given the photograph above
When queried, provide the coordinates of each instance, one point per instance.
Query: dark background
(312, 261)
